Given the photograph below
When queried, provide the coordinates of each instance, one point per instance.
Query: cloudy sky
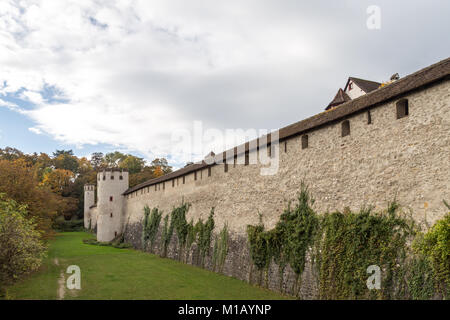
(125, 75)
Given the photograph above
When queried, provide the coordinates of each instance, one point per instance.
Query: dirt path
(61, 283)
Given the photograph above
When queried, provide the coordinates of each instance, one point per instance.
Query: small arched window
(345, 128)
(402, 108)
(304, 141)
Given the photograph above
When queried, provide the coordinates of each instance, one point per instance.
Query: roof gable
(365, 85)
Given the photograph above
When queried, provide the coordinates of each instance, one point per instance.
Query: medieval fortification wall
(405, 159)
(383, 158)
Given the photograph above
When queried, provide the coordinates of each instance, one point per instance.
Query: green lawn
(110, 273)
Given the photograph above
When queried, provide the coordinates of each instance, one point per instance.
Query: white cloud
(35, 130)
(131, 72)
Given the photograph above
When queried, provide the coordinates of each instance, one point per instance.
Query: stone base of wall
(238, 264)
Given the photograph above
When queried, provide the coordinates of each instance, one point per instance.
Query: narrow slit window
(164, 186)
(209, 171)
(110, 198)
(402, 108)
(345, 128)
(110, 214)
(104, 177)
(173, 183)
(184, 179)
(195, 175)
(225, 167)
(247, 159)
(285, 146)
(305, 141)
(369, 117)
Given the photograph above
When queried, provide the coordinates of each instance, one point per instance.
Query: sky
(99, 76)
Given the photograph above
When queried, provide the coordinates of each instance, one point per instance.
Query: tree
(21, 250)
(158, 172)
(113, 159)
(132, 163)
(66, 161)
(162, 164)
(63, 153)
(18, 182)
(42, 165)
(59, 181)
(10, 154)
(97, 160)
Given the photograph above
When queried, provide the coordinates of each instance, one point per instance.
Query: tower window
(369, 117)
(115, 234)
(110, 214)
(104, 177)
(184, 179)
(305, 141)
(195, 175)
(209, 171)
(120, 177)
(285, 146)
(110, 198)
(112, 177)
(345, 128)
(402, 108)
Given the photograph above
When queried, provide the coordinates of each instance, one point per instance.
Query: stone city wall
(405, 159)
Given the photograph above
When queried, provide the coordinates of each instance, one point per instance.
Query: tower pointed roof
(339, 98)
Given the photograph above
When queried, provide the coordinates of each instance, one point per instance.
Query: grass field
(110, 273)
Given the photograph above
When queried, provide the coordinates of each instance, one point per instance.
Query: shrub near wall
(351, 242)
(342, 245)
(338, 246)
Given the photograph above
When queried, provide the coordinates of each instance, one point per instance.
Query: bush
(21, 250)
(435, 247)
(62, 225)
